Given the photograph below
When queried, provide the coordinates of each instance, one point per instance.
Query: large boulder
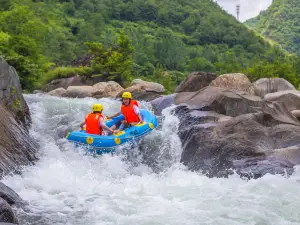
(59, 92)
(79, 91)
(290, 99)
(107, 89)
(248, 144)
(149, 86)
(196, 81)
(234, 81)
(222, 101)
(11, 93)
(270, 85)
(143, 90)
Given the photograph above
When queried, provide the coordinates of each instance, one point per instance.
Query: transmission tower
(238, 12)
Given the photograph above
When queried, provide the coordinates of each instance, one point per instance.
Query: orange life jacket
(92, 123)
(129, 113)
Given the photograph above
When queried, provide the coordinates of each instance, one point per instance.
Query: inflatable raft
(106, 144)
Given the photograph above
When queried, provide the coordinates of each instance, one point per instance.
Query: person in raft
(130, 110)
(94, 122)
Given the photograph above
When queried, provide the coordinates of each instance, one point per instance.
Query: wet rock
(59, 92)
(270, 85)
(9, 195)
(196, 81)
(234, 81)
(161, 103)
(6, 213)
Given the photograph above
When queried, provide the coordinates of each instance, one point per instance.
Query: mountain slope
(180, 35)
(281, 23)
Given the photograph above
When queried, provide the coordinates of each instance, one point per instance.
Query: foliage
(164, 41)
(280, 23)
(115, 62)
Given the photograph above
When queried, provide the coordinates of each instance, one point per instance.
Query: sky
(249, 8)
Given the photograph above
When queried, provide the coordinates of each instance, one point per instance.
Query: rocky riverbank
(226, 122)
(16, 146)
(75, 87)
(229, 123)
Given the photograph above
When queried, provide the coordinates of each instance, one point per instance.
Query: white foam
(65, 187)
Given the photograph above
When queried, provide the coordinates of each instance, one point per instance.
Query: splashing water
(68, 187)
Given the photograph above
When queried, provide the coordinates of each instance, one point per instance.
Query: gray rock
(107, 89)
(290, 99)
(6, 213)
(79, 91)
(196, 81)
(222, 101)
(247, 143)
(149, 86)
(270, 85)
(59, 92)
(143, 90)
(161, 103)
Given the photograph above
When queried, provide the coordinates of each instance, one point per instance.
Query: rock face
(143, 90)
(234, 81)
(245, 143)
(270, 85)
(11, 93)
(225, 129)
(196, 81)
(16, 146)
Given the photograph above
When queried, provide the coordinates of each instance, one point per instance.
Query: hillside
(37, 36)
(280, 23)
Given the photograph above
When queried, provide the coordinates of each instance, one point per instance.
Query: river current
(66, 186)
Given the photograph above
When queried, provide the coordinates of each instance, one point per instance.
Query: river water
(68, 187)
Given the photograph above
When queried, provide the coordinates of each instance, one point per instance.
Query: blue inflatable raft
(106, 144)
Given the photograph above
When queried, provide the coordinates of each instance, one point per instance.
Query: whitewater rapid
(68, 187)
